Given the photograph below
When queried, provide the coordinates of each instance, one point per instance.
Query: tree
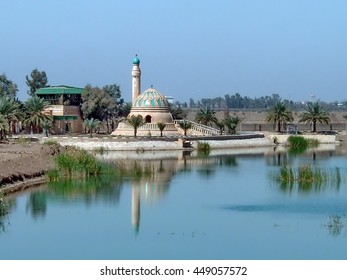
(185, 125)
(161, 127)
(10, 110)
(91, 124)
(136, 122)
(177, 113)
(37, 80)
(102, 104)
(46, 125)
(35, 116)
(231, 123)
(279, 114)
(124, 109)
(3, 127)
(315, 114)
(206, 116)
(220, 125)
(7, 87)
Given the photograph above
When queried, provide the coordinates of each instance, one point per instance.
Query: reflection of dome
(151, 98)
(136, 60)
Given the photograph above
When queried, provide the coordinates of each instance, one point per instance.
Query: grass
(74, 163)
(51, 142)
(299, 144)
(203, 149)
(306, 176)
(79, 164)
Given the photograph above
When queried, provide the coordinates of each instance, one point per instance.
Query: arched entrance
(148, 119)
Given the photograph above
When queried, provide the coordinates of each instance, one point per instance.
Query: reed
(76, 163)
(306, 176)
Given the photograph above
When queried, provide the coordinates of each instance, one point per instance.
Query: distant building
(64, 106)
(153, 106)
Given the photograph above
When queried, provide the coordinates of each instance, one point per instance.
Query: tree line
(98, 105)
(237, 101)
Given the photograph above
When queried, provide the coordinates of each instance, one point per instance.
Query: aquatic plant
(76, 163)
(306, 176)
(335, 225)
(203, 149)
(4, 206)
(299, 144)
(296, 142)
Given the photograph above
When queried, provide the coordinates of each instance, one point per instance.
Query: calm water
(224, 206)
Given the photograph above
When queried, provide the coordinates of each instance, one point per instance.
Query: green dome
(136, 60)
(151, 98)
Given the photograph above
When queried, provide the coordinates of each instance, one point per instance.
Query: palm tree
(10, 110)
(206, 116)
(231, 123)
(136, 122)
(161, 127)
(3, 127)
(46, 125)
(220, 125)
(35, 116)
(91, 124)
(279, 114)
(314, 113)
(177, 112)
(185, 125)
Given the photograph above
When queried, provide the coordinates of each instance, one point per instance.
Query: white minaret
(136, 79)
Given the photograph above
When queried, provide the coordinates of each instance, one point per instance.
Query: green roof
(59, 90)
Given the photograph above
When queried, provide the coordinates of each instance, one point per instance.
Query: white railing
(204, 129)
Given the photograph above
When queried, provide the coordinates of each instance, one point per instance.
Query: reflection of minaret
(136, 79)
(135, 207)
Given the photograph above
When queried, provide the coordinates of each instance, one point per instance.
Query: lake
(225, 205)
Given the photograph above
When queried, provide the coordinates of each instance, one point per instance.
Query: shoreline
(25, 165)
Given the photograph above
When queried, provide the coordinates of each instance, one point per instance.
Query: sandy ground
(21, 164)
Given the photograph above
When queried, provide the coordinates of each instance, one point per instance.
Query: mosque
(153, 106)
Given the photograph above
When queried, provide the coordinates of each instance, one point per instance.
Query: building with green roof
(65, 107)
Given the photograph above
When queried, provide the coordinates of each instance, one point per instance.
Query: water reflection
(37, 204)
(174, 199)
(6, 205)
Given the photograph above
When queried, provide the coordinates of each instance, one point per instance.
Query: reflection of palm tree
(279, 114)
(314, 114)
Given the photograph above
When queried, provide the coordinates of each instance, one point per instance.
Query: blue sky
(188, 49)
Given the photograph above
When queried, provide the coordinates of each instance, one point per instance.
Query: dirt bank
(24, 164)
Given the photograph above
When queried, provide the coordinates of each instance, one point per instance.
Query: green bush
(297, 142)
(74, 162)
